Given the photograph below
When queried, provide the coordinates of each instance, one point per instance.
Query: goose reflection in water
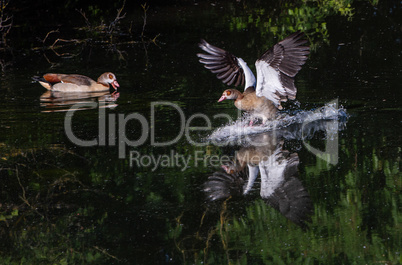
(264, 154)
(55, 101)
(278, 168)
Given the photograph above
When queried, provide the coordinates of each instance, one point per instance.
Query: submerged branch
(99, 34)
(50, 32)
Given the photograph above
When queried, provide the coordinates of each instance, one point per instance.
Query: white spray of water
(240, 127)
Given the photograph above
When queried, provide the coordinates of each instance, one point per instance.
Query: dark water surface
(112, 203)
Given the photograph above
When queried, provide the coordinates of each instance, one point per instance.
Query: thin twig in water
(23, 198)
(145, 8)
(85, 17)
(154, 40)
(53, 47)
(63, 40)
(104, 251)
(50, 32)
(4, 65)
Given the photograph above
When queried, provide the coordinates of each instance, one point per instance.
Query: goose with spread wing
(276, 70)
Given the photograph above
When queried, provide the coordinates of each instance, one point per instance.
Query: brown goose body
(257, 107)
(77, 83)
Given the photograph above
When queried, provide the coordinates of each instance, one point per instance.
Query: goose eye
(228, 93)
(110, 76)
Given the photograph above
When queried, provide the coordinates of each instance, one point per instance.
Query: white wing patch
(272, 174)
(250, 78)
(268, 83)
(252, 175)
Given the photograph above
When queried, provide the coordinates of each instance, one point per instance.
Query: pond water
(128, 178)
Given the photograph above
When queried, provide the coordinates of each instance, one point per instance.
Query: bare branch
(50, 32)
(85, 17)
(118, 18)
(5, 21)
(145, 8)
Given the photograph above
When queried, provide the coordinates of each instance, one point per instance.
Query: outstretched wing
(290, 198)
(222, 63)
(222, 185)
(277, 67)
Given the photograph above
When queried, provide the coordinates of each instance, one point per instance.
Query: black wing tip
(202, 43)
(38, 78)
(222, 185)
(293, 201)
(222, 63)
(201, 55)
(205, 46)
(297, 35)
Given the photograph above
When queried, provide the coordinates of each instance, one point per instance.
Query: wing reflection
(280, 187)
(55, 101)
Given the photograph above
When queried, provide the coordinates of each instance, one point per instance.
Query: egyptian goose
(276, 70)
(77, 83)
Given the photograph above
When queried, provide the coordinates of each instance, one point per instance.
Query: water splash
(307, 119)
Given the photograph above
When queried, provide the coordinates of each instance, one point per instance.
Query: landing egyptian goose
(77, 83)
(276, 70)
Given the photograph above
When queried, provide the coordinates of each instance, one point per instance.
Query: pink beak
(222, 98)
(226, 168)
(115, 85)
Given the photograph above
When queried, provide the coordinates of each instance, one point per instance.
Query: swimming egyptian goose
(276, 70)
(77, 83)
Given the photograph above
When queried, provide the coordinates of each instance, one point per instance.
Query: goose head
(109, 78)
(229, 94)
(229, 168)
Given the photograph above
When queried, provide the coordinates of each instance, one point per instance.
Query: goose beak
(115, 85)
(226, 168)
(222, 98)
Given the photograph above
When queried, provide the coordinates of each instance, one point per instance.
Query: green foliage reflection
(357, 223)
